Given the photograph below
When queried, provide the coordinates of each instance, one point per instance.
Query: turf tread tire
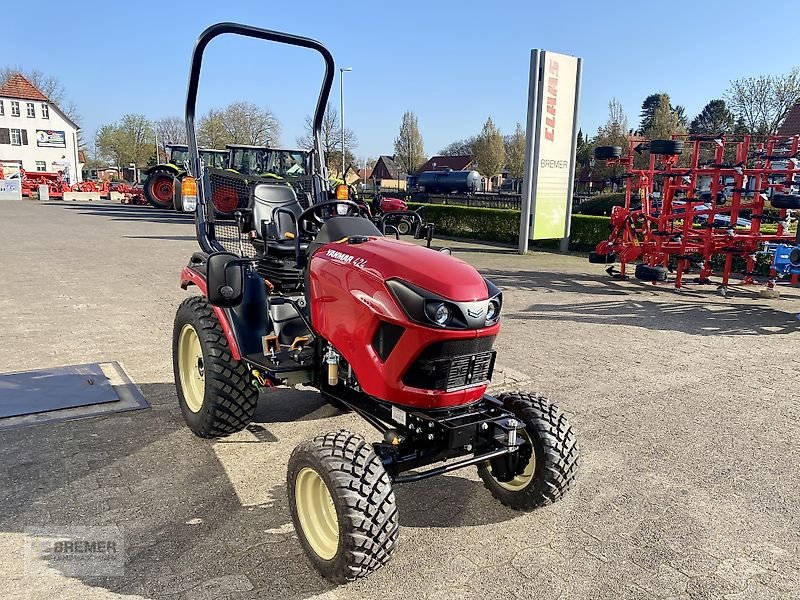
(556, 450)
(364, 499)
(229, 401)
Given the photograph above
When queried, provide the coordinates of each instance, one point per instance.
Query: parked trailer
(449, 182)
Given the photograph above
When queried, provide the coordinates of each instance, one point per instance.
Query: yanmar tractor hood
(436, 272)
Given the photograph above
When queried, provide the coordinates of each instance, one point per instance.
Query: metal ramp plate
(29, 397)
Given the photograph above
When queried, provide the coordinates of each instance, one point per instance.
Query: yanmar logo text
(347, 258)
(552, 95)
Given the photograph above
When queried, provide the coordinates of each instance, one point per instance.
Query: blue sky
(452, 63)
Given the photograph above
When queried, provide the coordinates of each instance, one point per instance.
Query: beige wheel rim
(523, 480)
(317, 513)
(191, 368)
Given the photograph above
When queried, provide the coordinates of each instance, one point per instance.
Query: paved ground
(686, 407)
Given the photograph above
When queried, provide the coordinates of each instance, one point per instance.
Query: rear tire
(648, 273)
(602, 259)
(214, 390)
(343, 506)
(552, 450)
(158, 188)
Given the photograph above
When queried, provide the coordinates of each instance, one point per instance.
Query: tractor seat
(271, 225)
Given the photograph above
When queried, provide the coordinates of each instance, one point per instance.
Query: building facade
(34, 134)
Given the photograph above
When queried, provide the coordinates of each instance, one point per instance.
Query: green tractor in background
(270, 163)
(162, 186)
(287, 166)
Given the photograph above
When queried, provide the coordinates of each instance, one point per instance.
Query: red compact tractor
(397, 332)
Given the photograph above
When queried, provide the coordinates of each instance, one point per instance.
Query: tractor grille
(444, 366)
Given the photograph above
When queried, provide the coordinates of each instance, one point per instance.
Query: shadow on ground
(185, 530)
(129, 212)
(694, 318)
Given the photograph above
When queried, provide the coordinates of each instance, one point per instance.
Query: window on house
(16, 137)
(30, 109)
(45, 111)
(41, 165)
(14, 108)
(2, 108)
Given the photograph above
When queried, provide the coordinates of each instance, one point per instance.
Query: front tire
(343, 506)
(214, 390)
(404, 227)
(177, 195)
(549, 456)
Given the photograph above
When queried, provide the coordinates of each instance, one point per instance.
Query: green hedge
(502, 225)
(601, 204)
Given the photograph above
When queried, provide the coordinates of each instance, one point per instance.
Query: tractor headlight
(493, 310)
(495, 303)
(440, 314)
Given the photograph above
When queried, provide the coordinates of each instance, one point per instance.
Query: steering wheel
(314, 214)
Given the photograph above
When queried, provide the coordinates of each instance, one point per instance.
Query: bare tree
(246, 123)
(763, 102)
(331, 139)
(171, 130)
(465, 147)
(238, 123)
(614, 132)
(408, 146)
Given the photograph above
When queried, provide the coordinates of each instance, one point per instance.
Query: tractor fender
(167, 167)
(191, 277)
(244, 325)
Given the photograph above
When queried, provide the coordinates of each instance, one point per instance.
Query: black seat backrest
(265, 198)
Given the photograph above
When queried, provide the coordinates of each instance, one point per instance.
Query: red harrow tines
(131, 194)
(701, 202)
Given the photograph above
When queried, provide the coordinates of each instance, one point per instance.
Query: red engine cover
(388, 204)
(349, 299)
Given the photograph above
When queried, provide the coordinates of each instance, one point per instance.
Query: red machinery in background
(692, 201)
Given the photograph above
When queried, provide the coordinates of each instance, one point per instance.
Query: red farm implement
(55, 182)
(708, 204)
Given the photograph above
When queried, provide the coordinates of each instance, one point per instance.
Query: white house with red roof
(34, 133)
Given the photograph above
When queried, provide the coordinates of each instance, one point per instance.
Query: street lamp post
(341, 110)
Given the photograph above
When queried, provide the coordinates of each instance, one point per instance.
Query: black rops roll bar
(202, 218)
